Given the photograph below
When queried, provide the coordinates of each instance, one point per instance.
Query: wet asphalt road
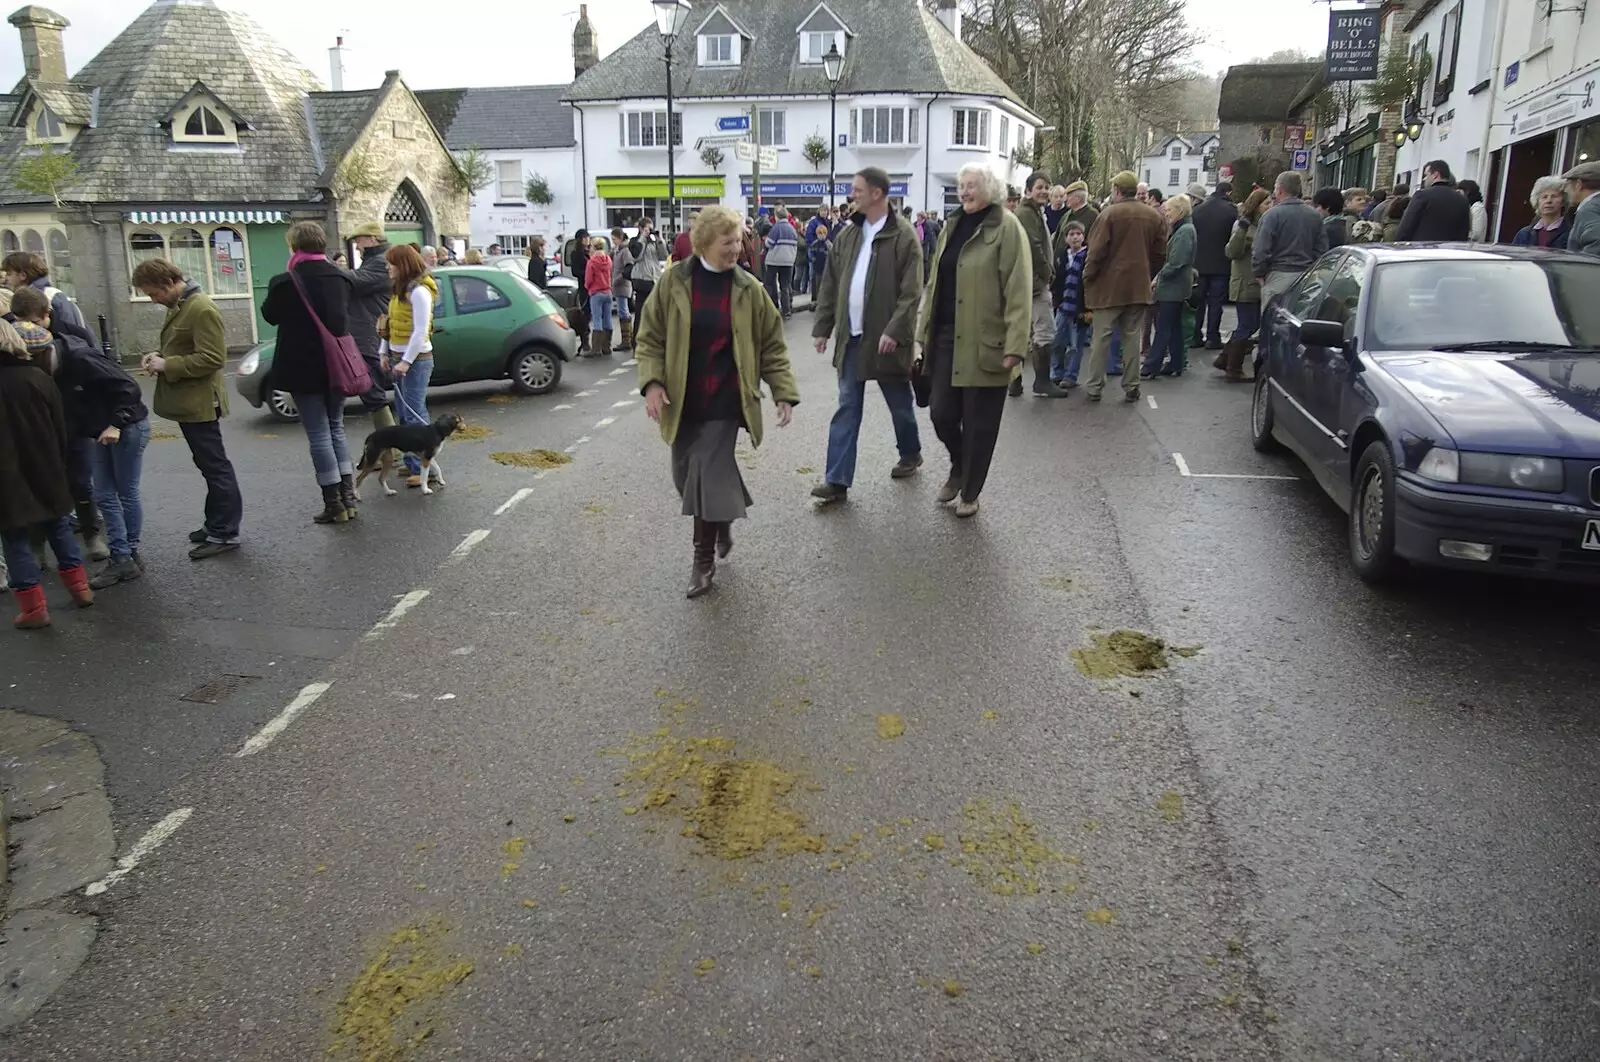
(1357, 825)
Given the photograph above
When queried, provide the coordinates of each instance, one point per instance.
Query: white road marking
(631, 362)
(280, 722)
(396, 614)
(1183, 470)
(605, 422)
(514, 501)
(618, 372)
(585, 394)
(1152, 400)
(604, 383)
(468, 543)
(574, 447)
(625, 403)
(445, 697)
(564, 405)
(153, 839)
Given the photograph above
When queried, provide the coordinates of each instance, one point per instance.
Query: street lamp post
(833, 66)
(671, 16)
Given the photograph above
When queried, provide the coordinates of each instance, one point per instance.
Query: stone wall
(399, 145)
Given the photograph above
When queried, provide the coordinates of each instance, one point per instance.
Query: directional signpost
(738, 123)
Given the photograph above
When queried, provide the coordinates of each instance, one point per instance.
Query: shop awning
(656, 187)
(204, 217)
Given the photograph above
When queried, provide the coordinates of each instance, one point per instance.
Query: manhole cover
(217, 689)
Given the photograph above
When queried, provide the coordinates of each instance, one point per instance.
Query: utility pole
(755, 164)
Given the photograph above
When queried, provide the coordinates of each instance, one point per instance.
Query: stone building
(205, 156)
(1253, 117)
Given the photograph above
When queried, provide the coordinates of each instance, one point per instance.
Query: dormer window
(202, 118)
(46, 128)
(815, 45)
(204, 124)
(720, 49)
(1177, 152)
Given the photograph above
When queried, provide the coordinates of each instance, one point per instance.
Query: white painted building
(1455, 104)
(1178, 160)
(527, 135)
(912, 99)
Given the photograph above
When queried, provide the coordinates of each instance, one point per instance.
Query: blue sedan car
(1447, 397)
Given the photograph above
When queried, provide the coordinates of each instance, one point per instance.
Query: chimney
(585, 49)
(336, 65)
(43, 56)
(949, 14)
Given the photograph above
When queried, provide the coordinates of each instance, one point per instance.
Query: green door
(269, 256)
(471, 325)
(398, 234)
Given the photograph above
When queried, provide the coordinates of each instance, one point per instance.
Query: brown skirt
(706, 472)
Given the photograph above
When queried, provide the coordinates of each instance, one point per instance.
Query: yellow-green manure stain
(816, 914)
(1035, 949)
(161, 435)
(1001, 851)
(933, 841)
(390, 1008)
(532, 458)
(501, 400)
(954, 988)
(1186, 651)
(1171, 806)
(594, 509)
(990, 715)
(891, 726)
(1101, 916)
(813, 971)
(511, 951)
(805, 470)
(471, 433)
(704, 966)
(1056, 582)
(1121, 654)
(531, 904)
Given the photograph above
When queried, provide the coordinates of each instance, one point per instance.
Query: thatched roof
(1263, 92)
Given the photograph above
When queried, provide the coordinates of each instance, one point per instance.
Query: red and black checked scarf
(713, 384)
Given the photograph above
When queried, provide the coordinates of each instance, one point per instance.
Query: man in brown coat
(1127, 247)
(866, 302)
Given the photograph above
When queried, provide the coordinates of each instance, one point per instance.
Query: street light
(833, 66)
(671, 17)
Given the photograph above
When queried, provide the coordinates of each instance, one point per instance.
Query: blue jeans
(1168, 344)
(600, 312)
(1213, 289)
(844, 432)
(1066, 354)
(116, 487)
(411, 401)
(1249, 319)
(24, 566)
(322, 416)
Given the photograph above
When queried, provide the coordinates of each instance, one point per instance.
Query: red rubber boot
(35, 614)
(76, 581)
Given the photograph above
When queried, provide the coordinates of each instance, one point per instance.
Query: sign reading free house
(1353, 44)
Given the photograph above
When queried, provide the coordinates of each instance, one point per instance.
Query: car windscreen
(1422, 305)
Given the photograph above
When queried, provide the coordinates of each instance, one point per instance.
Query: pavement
(507, 794)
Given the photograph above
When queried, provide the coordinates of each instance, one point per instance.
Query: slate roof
(897, 46)
(525, 117)
(1262, 92)
(126, 158)
(336, 119)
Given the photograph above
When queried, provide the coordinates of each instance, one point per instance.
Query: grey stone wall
(419, 158)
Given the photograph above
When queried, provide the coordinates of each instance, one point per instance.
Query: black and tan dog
(422, 441)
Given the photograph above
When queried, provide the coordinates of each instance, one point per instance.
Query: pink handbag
(347, 372)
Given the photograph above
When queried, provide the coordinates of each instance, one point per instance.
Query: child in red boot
(34, 494)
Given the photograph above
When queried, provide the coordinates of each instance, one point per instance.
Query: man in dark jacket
(1030, 211)
(369, 300)
(1438, 212)
(1329, 203)
(867, 301)
(1079, 210)
(1213, 222)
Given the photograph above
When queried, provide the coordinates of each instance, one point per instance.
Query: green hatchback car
(489, 325)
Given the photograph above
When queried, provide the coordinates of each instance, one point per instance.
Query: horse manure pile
(1121, 654)
(386, 1013)
(532, 458)
(1001, 852)
(471, 433)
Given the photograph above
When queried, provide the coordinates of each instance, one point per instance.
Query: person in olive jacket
(1171, 287)
(1127, 248)
(866, 305)
(189, 390)
(1213, 221)
(975, 329)
(1030, 212)
(708, 338)
(1243, 287)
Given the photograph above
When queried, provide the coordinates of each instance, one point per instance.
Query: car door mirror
(1322, 334)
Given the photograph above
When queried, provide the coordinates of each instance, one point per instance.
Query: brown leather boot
(724, 540)
(603, 348)
(1235, 354)
(626, 342)
(705, 558)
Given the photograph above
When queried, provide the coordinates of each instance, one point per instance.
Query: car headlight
(1515, 471)
(251, 362)
(1441, 464)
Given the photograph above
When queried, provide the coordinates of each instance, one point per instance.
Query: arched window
(204, 122)
(32, 242)
(9, 242)
(403, 207)
(229, 269)
(45, 125)
(143, 246)
(61, 261)
(189, 255)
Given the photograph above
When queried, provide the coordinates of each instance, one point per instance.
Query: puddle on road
(387, 1011)
(532, 458)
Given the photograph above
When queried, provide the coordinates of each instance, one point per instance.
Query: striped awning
(213, 217)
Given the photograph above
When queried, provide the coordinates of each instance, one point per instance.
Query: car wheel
(1261, 417)
(1372, 516)
(281, 405)
(535, 371)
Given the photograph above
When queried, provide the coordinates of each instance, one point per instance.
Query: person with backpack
(25, 269)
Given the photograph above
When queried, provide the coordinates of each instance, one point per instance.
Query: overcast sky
(476, 42)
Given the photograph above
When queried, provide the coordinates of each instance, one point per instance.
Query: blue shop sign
(841, 189)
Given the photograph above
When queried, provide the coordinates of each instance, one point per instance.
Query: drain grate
(214, 691)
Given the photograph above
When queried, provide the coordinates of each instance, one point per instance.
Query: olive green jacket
(1038, 230)
(994, 301)
(1086, 216)
(1242, 283)
(894, 287)
(190, 388)
(661, 344)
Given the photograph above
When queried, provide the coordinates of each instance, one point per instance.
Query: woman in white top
(1478, 232)
(407, 344)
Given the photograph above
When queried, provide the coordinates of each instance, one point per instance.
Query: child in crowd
(1072, 319)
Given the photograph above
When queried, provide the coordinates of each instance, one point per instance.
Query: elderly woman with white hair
(975, 329)
(1553, 224)
(1171, 288)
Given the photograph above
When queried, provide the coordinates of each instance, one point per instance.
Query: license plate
(1591, 535)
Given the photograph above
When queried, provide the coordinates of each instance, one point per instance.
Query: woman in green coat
(1243, 287)
(1171, 287)
(708, 336)
(975, 329)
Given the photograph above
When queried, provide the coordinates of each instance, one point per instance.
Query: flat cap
(1127, 180)
(373, 229)
(1587, 172)
(1077, 186)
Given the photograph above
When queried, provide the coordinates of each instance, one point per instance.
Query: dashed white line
(574, 447)
(468, 543)
(1183, 466)
(280, 722)
(514, 501)
(585, 394)
(625, 403)
(604, 383)
(1183, 470)
(153, 839)
(396, 614)
(1152, 400)
(631, 362)
(618, 372)
(564, 405)
(605, 422)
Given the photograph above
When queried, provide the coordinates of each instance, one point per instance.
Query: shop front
(804, 196)
(627, 199)
(1550, 131)
(1350, 160)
